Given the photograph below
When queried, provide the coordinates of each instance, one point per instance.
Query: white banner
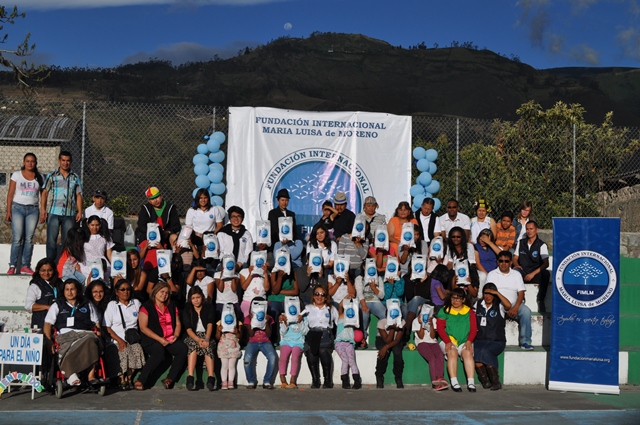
(314, 155)
(20, 348)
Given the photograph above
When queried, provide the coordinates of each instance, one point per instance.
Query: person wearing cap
(343, 222)
(66, 202)
(99, 208)
(373, 218)
(156, 210)
(281, 211)
(428, 221)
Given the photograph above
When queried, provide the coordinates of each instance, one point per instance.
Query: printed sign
(21, 348)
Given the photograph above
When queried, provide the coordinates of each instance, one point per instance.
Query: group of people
(200, 303)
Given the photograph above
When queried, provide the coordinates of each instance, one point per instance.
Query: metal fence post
(457, 155)
(84, 130)
(214, 119)
(574, 170)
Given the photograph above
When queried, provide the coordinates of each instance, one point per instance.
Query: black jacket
(147, 214)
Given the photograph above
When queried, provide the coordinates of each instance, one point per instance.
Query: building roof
(39, 129)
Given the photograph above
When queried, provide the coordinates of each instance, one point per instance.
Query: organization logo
(394, 313)
(462, 272)
(371, 271)
(340, 267)
(350, 313)
(285, 230)
(260, 262)
(264, 232)
(360, 226)
(117, 265)
(229, 319)
(282, 261)
(211, 246)
(95, 273)
(230, 265)
(293, 310)
(317, 260)
(586, 279)
(153, 236)
(162, 262)
(418, 268)
(312, 175)
(260, 316)
(436, 247)
(391, 267)
(407, 236)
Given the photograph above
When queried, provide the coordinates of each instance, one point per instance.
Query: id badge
(70, 321)
(483, 321)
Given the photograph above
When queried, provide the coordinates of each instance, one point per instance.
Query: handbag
(131, 335)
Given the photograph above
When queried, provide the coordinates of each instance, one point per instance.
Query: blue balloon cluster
(425, 186)
(208, 168)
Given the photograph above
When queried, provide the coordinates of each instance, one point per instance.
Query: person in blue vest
(75, 318)
(531, 259)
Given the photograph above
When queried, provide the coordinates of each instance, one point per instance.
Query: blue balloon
(217, 156)
(217, 167)
(432, 168)
(203, 149)
(417, 201)
(436, 204)
(431, 154)
(419, 152)
(201, 169)
(200, 159)
(215, 176)
(416, 190)
(433, 187)
(428, 195)
(414, 209)
(213, 145)
(206, 137)
(423, 165)
(217, 201)
(193, 194)
(424, 179)
(219, 136)
(202, 182)
(217, 188)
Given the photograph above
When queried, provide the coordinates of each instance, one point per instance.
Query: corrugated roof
(37, 129)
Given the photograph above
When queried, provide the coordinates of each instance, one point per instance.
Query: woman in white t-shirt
(203, 217)
(198, 277)
(23, 212)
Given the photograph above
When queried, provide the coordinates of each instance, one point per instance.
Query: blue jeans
(251, 357)
(24, 219)
(377, 309)
(524, 323)
(415, 304)
(54, 223)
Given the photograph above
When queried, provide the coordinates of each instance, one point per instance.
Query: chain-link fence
(560, 167)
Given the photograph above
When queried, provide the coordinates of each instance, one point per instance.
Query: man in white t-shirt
(510, 284)
(454, 218)
(99, 208)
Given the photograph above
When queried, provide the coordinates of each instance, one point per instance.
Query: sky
(108, 33)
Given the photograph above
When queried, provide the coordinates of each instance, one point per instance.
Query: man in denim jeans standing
(66, 202)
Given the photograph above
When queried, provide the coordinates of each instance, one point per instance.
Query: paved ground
(517, 404)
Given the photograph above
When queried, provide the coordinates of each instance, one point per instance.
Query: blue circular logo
(293, 310)
(381, 237)
(230, 265)
(162, 262)
(282, 261)
(340, 267)
(229, 319)
(36, 340)
(462, 272)
(260, 316)
(316, 261)
(371, 271)
(260, 262)
(350, 313)
(211, 246)
(418, 267)
(285, 230)
(394, 313)
(425, 318)
(392, 267)
(95, 273)
(359, 226)
(586, 279)
(153, 236)
(437, 247)
(407, 236)
(135, 314)
(264, 233)
(117, 265)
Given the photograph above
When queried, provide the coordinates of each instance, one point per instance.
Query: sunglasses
(456, 237)
(504, 261)
(124, 289)
(319, 294)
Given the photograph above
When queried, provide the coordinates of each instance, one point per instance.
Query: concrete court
(416, 404)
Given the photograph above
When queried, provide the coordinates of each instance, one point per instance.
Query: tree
(585, 271)
(22, 72)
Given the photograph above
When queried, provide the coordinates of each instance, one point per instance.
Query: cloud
(535, 16)
(629, 42)
(179, 53)
(579, 5)
(584, 53)
(556, 44)
(90, 4)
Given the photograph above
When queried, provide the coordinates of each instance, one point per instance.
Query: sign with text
(314, 155)
(20, 348)
(585, 315)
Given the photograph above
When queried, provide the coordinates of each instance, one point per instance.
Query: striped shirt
(506, 238)
(63, 192)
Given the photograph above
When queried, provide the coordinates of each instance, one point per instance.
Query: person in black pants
(158, 342)
(389, 340)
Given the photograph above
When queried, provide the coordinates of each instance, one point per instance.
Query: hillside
(353, 72)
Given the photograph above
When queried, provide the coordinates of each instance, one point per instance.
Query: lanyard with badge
(71, 320)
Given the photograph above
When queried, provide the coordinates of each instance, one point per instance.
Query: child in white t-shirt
(426, 341)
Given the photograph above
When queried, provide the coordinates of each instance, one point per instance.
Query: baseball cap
(152, 192)
(100, 193)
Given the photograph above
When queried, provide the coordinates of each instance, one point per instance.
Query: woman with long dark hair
(23, 212)
(203, 217)
(198, 318)
(403, 214)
